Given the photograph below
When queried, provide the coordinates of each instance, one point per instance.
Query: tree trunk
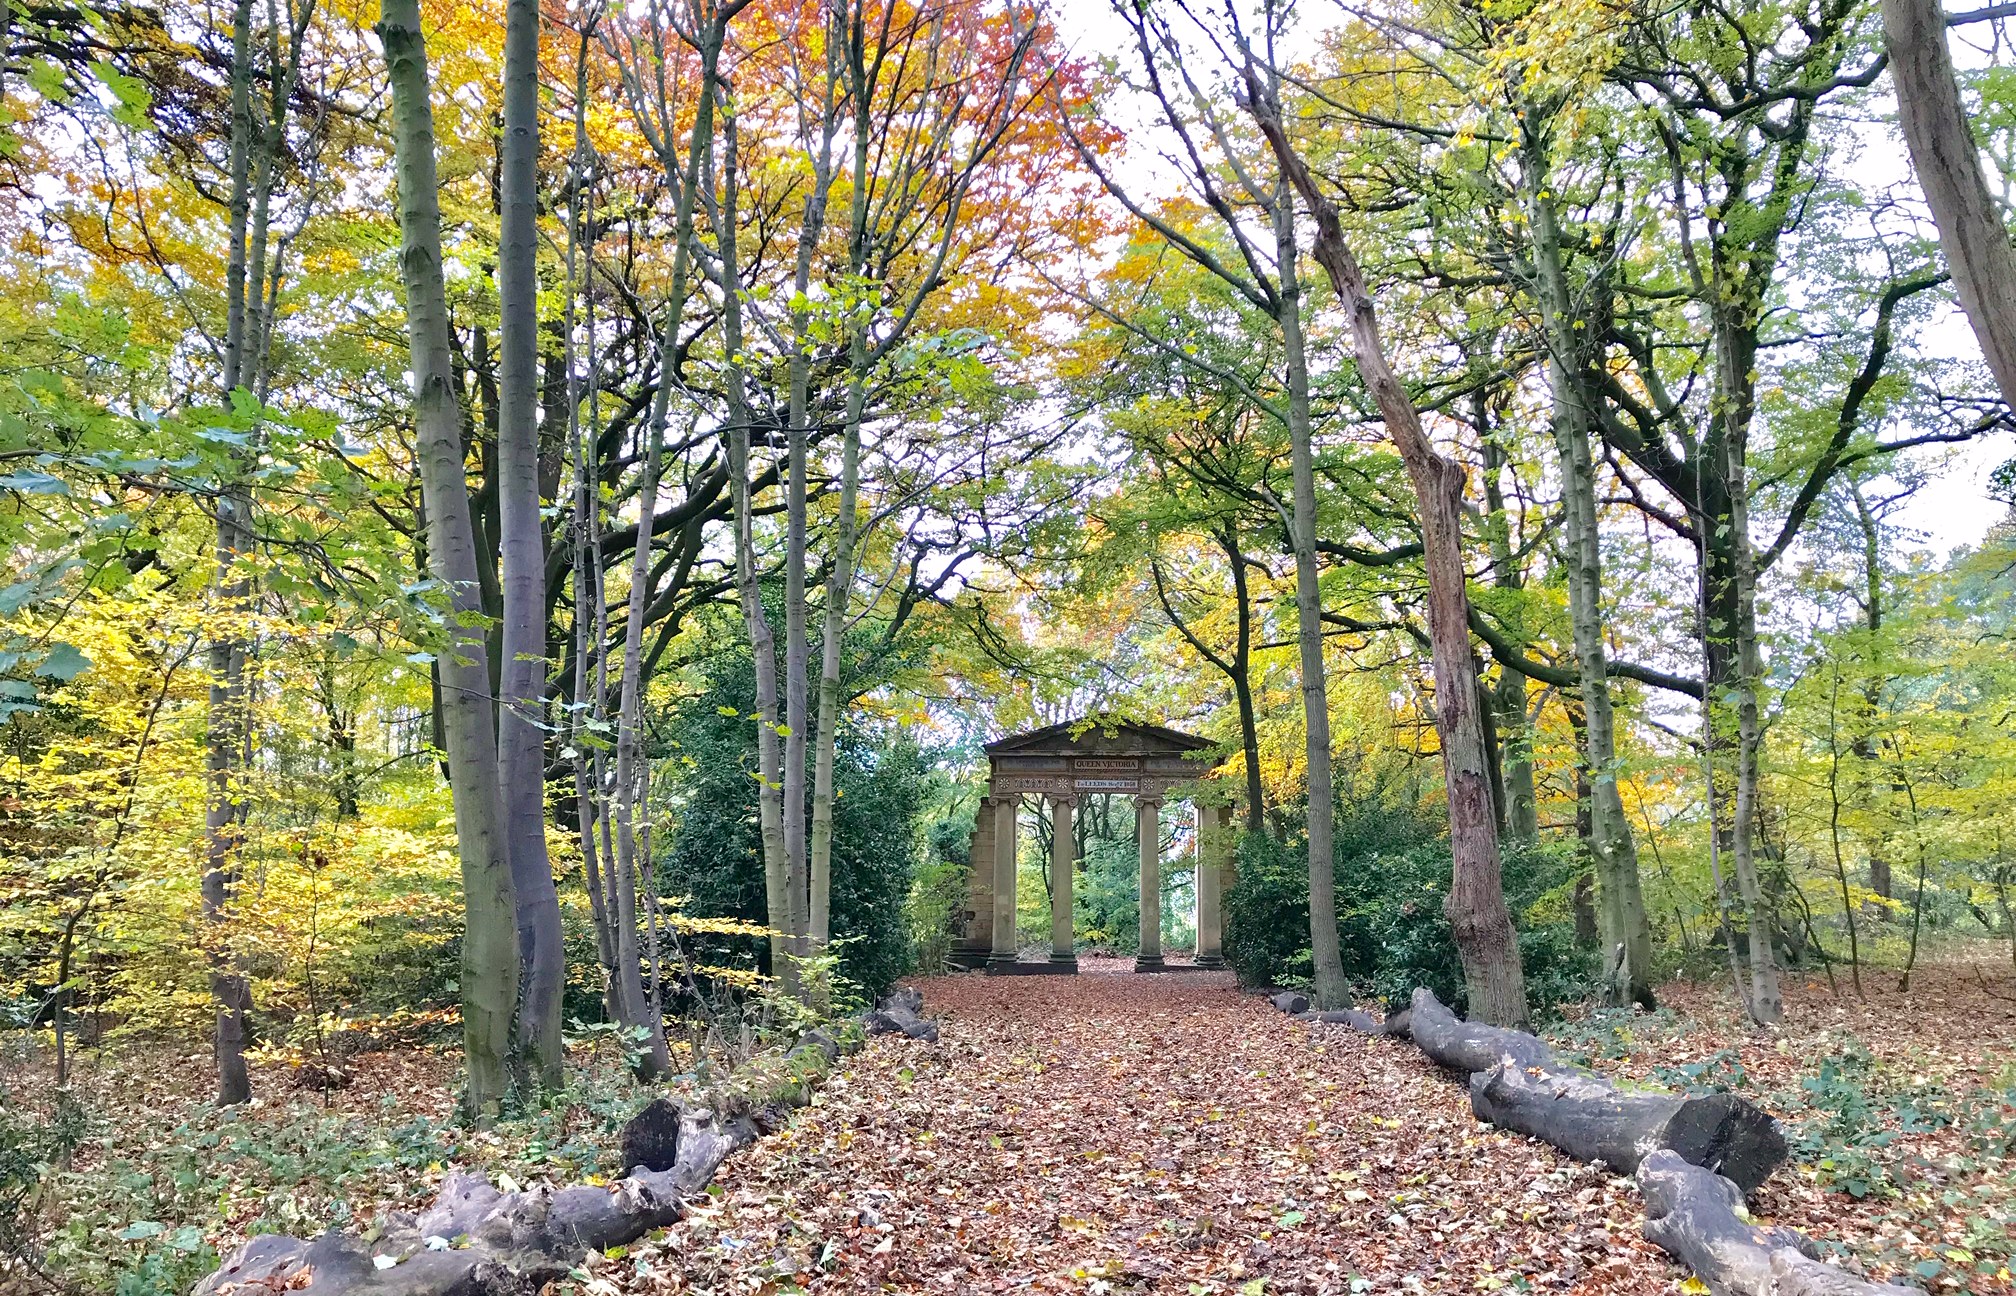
(1948, 163)
(1476, 902)
(1470, 1046)
(1324, 943)
(1873, 684)
(762, 642)
(521, 703)
(227, 735)
(489, 943)
(1621, 910)
(1520, 804)
(797, 649)
(840, 580)
(1242, 682)
(1766, 1003)
(839, 585)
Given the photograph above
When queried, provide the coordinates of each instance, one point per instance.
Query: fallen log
(1352, 1017)
(478, 1240)
(1470, 1047)
(901, 1014)
(1292, 1002)
(1399, 1025)
(1592, 1119)
(1697, 1216)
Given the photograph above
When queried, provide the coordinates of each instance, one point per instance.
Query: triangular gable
(1100, 735)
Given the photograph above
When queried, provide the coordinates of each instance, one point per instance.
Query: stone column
(1148, 826)
(1063, 863)
(976, 925)
(1006, 810)
(1214, 839)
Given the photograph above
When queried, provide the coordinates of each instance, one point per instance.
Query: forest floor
(1114, 1133)
(1122, 1133)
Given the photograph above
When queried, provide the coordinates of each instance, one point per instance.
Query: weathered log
(1697, 1216)
(1290, 1002)
(650, 1139)
(1399, 1025)
(477, 1241)
(901, 1014)
(1470, 1047)
(1592, 1119)
(1355, 1019)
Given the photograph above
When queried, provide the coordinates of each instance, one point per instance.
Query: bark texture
(1470, 1046)
(476, 1240)
(1948, 163)
(1591, 1119)
(1621, 913)
(490, 943)
(1476, 902)
(228, 736)
(521, 702)
(1698, 1216)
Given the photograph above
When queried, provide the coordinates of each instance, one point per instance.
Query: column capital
(1148, 799)
(1062, 798)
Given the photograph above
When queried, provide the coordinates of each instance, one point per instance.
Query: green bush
(1393, 870)
(715, 859)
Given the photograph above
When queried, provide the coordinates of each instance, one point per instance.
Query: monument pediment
(1100, 737)
(1098, 754)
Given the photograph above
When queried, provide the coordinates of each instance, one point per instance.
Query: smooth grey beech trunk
(1874, 682)
(632, 778)
(521, 702)
(1326, 954)
(227, 735)
(844, 38)
(1948, 162)
(878, 233)
(1521, 809)
(1766, 1003)
(489, 905)
(839, 588)
(1478, 917)
(797, 645)
(762, 638)
(1621, 912)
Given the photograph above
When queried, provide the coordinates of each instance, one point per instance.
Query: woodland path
(1122, 1133)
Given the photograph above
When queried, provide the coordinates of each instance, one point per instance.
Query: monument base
(1031, 967)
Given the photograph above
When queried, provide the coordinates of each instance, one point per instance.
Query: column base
(1061, 962)
(1210, 961)
(1149, 963)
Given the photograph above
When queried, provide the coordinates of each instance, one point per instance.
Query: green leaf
(141, 1230)
(46, 75)
(63, 662)
(33, 481)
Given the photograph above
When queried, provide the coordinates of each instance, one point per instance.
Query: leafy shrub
(31, 1148)
(1107, 895)
(715, 860)
(1856, 1118)
(1393, 870)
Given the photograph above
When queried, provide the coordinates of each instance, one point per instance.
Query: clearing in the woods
(1116, 1132)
